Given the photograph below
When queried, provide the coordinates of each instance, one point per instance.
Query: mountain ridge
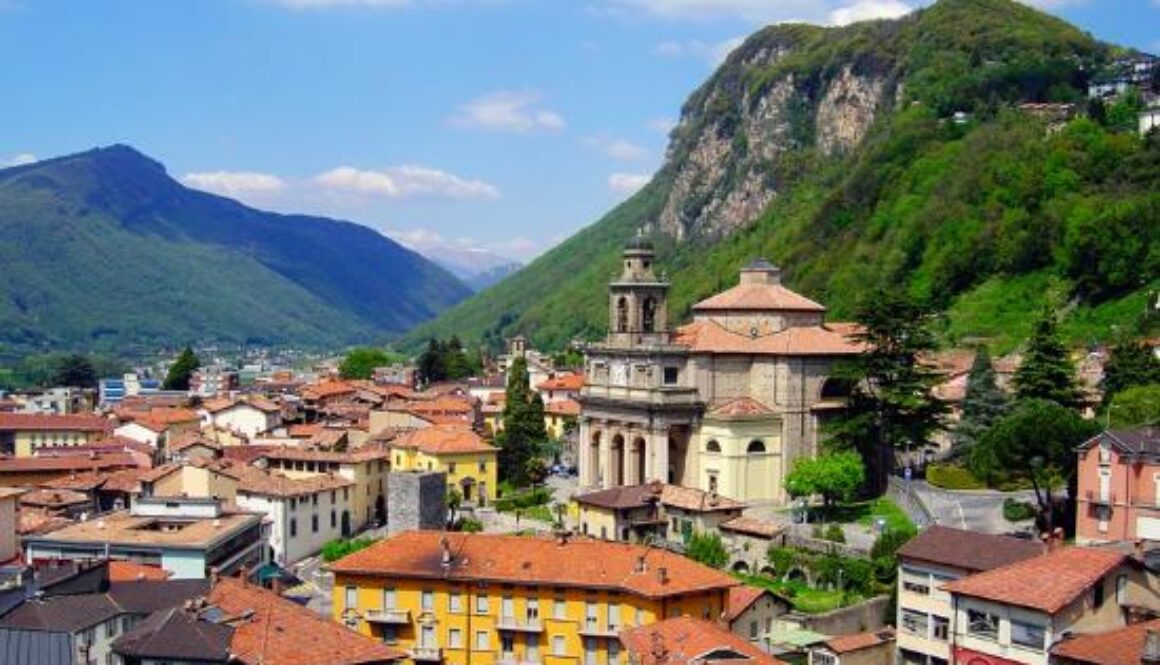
(101, 216)
(836, 152)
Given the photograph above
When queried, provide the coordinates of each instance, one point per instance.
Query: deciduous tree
(182, 370)
(75, 371)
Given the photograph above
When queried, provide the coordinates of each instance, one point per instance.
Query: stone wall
(416, 500)
(865, 616)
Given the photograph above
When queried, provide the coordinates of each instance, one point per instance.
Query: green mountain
(888, 152)
(104, 251)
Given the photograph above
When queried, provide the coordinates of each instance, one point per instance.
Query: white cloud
(18, 160)
(661, 125)
(617, 148)
(405, 181)
(868, 10)
(627, 183)
(517, 111)
(715, 54)
(235, 183)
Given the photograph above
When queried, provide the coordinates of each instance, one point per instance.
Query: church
(723, 404)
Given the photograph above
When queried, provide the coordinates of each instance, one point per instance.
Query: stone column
(584, 453)
(604, 477)
(657, 444)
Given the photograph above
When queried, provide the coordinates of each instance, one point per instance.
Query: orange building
(1118, 475)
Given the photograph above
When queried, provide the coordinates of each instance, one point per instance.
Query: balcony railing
(526, 625)
(426, 654)
(388, 616)
(596, 629)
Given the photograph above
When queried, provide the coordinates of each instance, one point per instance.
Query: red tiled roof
(563, 407)
(326, 389)
(741, 406)
(67, 463)
(741, 597)
(127, 571)
(360, 454)
(41, 422)
(1071, 571)
(685, 640)
(636, 496)
(257, 481)
(859, 641)
(189, 440)
(281, 632)
(707, 336)
(758, 296)
(444, 439)
(1114, 647)
(563, 382)
(752, 527)
(52, 498)
(304, 431)
(531, 560)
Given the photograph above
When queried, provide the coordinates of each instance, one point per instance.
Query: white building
(1149, 119)
(301, 514)
(247, 418)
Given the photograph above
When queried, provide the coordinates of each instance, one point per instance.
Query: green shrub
(782, 559)
(334, 550)
(537, 496)
(707, 548)
(953, 477)
(470, 525)
(1018, 511)
(834, 533)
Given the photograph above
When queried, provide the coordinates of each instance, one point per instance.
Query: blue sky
(499, 124)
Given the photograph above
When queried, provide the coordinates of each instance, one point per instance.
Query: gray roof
(173, 634)
(968, 550)
(1139, 441)
(34, 647)
(73, 613)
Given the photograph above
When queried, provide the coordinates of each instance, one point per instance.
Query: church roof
(741, 406)
(758, 296)
(710, 337)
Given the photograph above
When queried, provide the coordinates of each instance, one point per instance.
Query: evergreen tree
(523, 425)
(433, 364)
(891, 406)
(75, 371)
(1131, 364)
(983, 404)
(1046, 371)
(182, 370)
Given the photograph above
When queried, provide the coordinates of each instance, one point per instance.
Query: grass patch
(803, 597)
(333, 550)
(867, 512)
(953, 477)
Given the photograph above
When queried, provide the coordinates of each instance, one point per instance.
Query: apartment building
(367, 467)
(935, 557)
(486, 599)
(1118, 475)
(471, 464)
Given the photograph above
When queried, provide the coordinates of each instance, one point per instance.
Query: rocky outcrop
(734, 131)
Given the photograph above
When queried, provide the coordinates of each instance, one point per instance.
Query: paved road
(976, 510)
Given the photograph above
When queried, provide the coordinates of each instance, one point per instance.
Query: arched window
(650, 315)
(712, 446)
(836, 388)
(756, 446)
(622, 315)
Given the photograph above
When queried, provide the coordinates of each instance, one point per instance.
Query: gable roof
(741, 407)
(1137, 441)
(684, 640)
(1047, 583)
(281, 632)
(572, 381)
(707, 336)
(625, 497)
(1114, 647)
(758, 296)
(857, 642)
(44, 422)
(444, 439)
(532, 560)
(175, 634)
(741, 598)
(967, 550)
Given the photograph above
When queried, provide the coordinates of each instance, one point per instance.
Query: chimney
(214, 576)
(663, 574)
(1151, 654)
(562, 537)
(641, 565)
(244, 574)
(446, 559)
(1138, 549)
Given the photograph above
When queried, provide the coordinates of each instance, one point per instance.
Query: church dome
(638, 243)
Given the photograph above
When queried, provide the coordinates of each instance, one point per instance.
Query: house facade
(1118, 480)
(723, 404)
(22, 434)
(471, 463)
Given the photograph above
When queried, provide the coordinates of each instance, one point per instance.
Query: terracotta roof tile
(859, 641)
(444, 439)
(281, 632)
(179, 443)
(1072, 571)
(741, 597)
(563, 382)
(741, 406)
(41, 422)
(257, 481)
(707, 336)
(1114, 647)
(66, 463)
(757, 296)
(326, 389)
(636, 496)
(685, 640)
(752, 527)
(968, 550)
(563, 407)
(532, 560)
(53, 498)
(361, 454)
(127, 571)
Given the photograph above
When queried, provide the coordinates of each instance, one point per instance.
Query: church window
(756, 446)
(622, 315)
(650, 315)
(713, 446)
(672, 375)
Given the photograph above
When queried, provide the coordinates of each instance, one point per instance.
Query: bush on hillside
(953, 477)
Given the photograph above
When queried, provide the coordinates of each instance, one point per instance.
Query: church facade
(723, 404)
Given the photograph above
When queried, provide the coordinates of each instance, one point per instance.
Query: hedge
(953, 477)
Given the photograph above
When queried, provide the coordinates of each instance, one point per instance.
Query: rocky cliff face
(735, 130)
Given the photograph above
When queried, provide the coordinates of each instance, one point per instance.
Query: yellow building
(21, 434)
(470, 462)
(367, 467)
(486, 599)
(560, 416)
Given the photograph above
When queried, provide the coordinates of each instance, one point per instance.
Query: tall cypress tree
(1131, 364)
(182, 370)
(523, 425)
(983, 404)
(1046, 371)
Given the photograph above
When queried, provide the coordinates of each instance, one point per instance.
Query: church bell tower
(638, 300)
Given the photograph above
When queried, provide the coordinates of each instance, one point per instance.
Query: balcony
(425, 654)
(595, 629)
(1100, 498)
(528, 625)
(518, 659)
(392, 617)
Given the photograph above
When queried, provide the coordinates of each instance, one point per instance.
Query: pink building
(1119, 486)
